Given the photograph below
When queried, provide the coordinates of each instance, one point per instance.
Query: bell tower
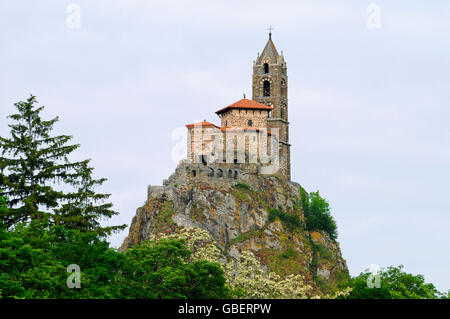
(269, 86)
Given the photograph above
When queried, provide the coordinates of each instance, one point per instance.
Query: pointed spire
(269, 52)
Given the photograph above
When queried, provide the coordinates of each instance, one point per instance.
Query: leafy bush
(243, 186)
(317, 213)
(394, 283)
(321, 251)
(288, 253)
(291, 221)
(244, 236)
(161, 269)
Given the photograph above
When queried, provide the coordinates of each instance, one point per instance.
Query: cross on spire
(270, 30)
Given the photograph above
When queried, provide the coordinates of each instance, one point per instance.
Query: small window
(266, 68)
(266, 91)
(250, 122)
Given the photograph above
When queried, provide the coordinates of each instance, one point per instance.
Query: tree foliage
(3, 206)
(161, 269)
(292, 222)
(33, 162)
(34, 260)
(317, 213)
(392, 283)
(246, 277)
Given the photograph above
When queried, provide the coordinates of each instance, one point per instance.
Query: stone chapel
(252, 131)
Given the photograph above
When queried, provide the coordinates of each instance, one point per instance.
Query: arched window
(283, 87)
(266, 88)
(266, 67)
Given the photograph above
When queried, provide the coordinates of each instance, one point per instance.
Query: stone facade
(242, 118)
(251, 131)
(202, 140)
(269, 86)
(213, 145)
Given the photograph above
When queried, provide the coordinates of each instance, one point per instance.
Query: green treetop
(33, 162)
(392, 283)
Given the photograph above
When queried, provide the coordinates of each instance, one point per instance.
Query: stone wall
(240, 118)
(278, 99)
(210, 174)
(228, 146)
(201, 140)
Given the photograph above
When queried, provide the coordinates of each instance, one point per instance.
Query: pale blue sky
(368, 107)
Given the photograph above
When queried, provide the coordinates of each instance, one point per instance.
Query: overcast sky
(368, 102)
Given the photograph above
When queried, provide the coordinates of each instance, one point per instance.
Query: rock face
(233, 204)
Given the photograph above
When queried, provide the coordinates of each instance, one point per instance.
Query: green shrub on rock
(317, 213)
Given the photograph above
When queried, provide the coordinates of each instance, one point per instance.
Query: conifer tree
(33, 163)
(3, 206)
(84, 208)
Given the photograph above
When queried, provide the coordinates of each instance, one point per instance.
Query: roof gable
(245, 104)
(270, 52)
(202, 124)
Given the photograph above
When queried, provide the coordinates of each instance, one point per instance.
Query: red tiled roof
(246, 104)
(202, 124)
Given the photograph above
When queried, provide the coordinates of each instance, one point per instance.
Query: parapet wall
(209, 174)
(214, 172)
